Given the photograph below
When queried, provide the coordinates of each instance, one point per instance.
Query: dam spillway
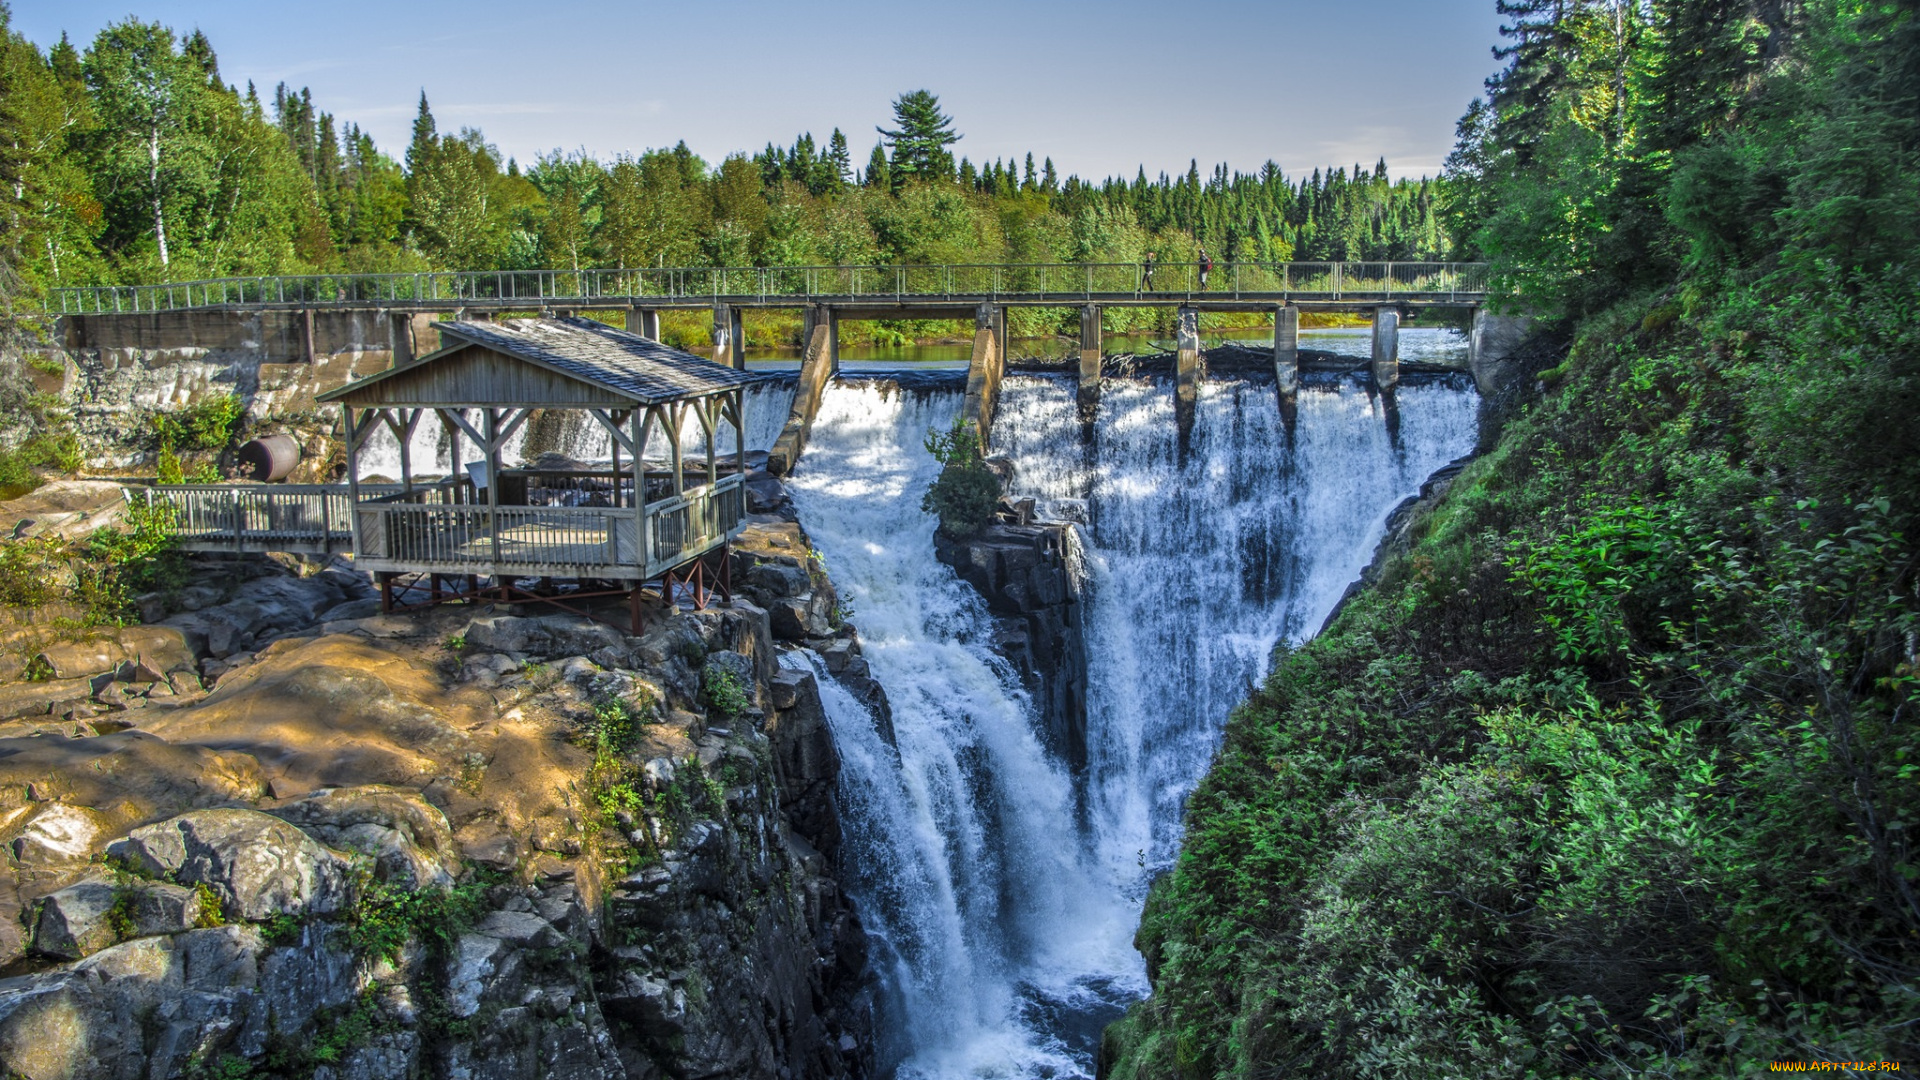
(1001, 885)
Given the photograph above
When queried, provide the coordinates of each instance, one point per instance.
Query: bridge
(1317, 285)
(306, 316)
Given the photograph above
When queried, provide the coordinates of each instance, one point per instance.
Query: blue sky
(1102, 87)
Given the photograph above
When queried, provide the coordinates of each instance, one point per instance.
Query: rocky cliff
(1027, 569)
(280, 834)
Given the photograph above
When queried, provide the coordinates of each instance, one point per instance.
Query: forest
(1613, 772)
(133, 160)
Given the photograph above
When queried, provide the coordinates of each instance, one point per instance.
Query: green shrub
(387, 917)
(204, 425)
(964, 495)
(724, 692)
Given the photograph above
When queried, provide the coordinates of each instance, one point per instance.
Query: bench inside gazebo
(662, 523)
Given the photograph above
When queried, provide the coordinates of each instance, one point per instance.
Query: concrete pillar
(1286, 363)
(645, 322)
(985, 369)
(306, 335)
(1386, 347)
(1090, 357)
(1188, 371)
(425, 338)
(722, 334)
(400, 337)
(816, 370)
(1286, 349)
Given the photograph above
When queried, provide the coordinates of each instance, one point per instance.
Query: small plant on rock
(208, 904)
(724, 692)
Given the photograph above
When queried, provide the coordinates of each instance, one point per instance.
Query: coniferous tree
(920, 138)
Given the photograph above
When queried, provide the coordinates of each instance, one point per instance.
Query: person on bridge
(1206, 267)
(1146, 273)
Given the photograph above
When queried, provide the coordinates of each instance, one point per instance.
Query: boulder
(80, 659)
(257, 864)
(56, 834)
(80, 919)
(68, 509)
(162, 649)
(407, 837)
(40, 698)
(509, 634)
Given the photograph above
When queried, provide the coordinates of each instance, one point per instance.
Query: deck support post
(1090, 357)
(645, 322)
(353, 476)
(1286, 363)
(642, 544)
(492, 432)
(737, 334)
(984, 371)
(816, 370)
(1189, 370)
(1386, 347)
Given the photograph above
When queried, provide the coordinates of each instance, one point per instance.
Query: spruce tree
(920, 137)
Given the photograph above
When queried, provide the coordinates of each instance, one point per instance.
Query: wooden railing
(299, 517)
(427, 530)
(693, 522)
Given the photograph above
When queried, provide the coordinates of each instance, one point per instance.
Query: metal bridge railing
(1065, 282)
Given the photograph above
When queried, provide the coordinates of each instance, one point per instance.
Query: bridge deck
(1242, 284)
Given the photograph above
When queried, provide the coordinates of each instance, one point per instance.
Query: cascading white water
(999, 912)
(1006, 926)
(1198, 570)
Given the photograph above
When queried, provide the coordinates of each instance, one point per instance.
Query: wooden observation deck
(612, 529)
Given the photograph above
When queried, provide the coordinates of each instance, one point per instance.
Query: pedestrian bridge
(1314, 284)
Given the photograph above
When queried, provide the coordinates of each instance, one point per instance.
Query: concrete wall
(112, 372)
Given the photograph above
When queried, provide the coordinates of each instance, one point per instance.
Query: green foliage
(1612, 774)
(965, 493)
(204, 425)
(386, 918)
(207, 911)
(724, 692)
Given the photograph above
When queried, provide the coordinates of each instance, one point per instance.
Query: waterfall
(1196, 572)
(1001, 915)
(1004, 923)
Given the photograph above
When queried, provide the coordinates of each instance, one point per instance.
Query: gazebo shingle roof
(596, 352)
(624, 363)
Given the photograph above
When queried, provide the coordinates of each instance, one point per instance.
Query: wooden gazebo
(579, 532)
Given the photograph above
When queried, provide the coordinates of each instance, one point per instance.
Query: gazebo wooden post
(740, 432)
(353, 476)
(454, 468)
(493, 493)
(642, 544)
(674, 414)
(710, 419)
(615, 445)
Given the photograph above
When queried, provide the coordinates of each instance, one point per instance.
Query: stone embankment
(277, 833)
